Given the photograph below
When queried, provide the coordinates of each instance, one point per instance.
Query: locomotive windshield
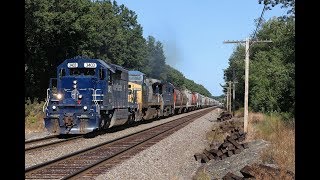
(82, 71)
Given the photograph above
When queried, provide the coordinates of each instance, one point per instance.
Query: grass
(281, 135)
(34, 116)
(239, 113)
(216, 135)
(202, 174)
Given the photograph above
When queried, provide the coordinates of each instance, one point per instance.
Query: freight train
(91, 94)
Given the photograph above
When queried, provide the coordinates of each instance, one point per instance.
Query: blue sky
(193, 32)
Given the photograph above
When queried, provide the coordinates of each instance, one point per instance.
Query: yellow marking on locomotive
(136, 89)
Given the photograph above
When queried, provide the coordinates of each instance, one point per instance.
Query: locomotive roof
(136, 73)
(106, 65)
(83, 60)
(117, 67)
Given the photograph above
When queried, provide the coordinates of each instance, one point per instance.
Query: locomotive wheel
(131, 118)
(171, 112)
(105, 121)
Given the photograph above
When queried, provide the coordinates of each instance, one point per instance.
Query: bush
(34, 115)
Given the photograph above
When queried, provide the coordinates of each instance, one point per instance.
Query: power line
(246, 91)
(248, 42)
(259, 22)
(255, 32)
(258, 25)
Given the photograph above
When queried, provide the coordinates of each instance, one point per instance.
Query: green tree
(52, 33)
(58, 30)
(194, 87)
(273, 67)
(285, 4)
(272, 75)
(156, 59)
(174, 76)
(236, 66)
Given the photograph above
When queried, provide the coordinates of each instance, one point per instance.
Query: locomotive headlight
(54, 107)
(80, 96)
(74, 86)
(59, 96)
(85, 108)
(74, 81)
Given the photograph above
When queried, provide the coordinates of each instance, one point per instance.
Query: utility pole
(246, 82)
(227, 99)
(234, 91)
(234, 96)
(229, 90)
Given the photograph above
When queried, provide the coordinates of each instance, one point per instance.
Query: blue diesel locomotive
(88, 94)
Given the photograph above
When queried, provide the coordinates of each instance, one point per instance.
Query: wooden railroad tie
(231, 145)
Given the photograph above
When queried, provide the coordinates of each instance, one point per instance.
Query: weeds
(33, 116)
(215, 135)
(279, 131)
(202, 174)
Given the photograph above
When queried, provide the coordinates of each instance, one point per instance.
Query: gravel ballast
(171, 158)
(37, 157)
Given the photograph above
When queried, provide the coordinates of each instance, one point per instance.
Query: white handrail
(47, 101)
(94, 95)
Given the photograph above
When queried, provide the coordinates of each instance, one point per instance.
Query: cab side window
(62, 72)
(109, 77)
(101, 74)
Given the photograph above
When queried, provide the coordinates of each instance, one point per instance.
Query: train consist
(90, 94)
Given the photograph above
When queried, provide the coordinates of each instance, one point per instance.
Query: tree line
(56, 30)
(272, 65)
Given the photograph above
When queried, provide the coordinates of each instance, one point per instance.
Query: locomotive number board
(90, 65)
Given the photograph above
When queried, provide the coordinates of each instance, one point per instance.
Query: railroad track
(46, 142)
(40, 139)
(91, 162)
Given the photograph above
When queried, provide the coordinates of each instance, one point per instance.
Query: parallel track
(46, 142)
(41, 139)
(90, 162)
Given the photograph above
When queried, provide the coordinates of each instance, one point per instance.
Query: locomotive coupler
(68, 120)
